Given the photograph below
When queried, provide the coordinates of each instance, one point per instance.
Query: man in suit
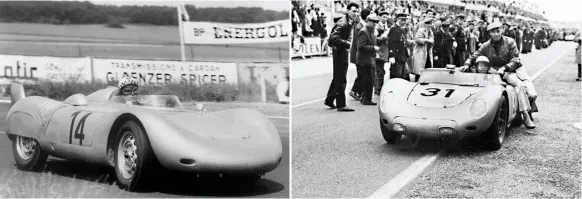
(461, 40)
(398, 53)
(443, 45)
(366, 57)
(483, 34)
(356, 88)
(339, 41)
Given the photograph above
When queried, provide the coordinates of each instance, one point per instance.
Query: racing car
(137, 139)
(448, 104)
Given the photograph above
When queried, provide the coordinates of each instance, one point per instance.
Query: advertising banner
(33, 68)
(274, 74)
(227, 33)
(312, 46)
(164, 72)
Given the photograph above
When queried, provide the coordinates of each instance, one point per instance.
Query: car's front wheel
(133, 157)
(495, 134)
(28, 154)
(390, 136)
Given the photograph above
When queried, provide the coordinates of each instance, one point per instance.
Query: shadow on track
(172, 184)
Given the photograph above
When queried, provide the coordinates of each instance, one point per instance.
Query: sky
(277, 5)
(561, 10)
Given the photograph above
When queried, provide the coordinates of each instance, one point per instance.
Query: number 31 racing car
(445, 103)
(155, 133)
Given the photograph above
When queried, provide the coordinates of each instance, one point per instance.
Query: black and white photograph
(144, 99)
(441, 99)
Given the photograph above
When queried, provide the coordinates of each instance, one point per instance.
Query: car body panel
(403, 102)
(237, 140)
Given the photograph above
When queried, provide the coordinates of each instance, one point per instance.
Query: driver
(127, 86)
(128, 89)
(503, 57)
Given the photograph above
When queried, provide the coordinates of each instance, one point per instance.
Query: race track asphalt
(67, 178)
(343, 154)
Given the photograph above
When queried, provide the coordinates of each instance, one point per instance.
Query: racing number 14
(435, 91)
(79, 130)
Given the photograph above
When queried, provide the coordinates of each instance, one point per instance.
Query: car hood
(436, 95)
(207, 125)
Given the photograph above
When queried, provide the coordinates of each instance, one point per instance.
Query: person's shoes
(368, 103)
(579, 79)
(527, 121)
(345, 109)
(330, 104)
(355, 95)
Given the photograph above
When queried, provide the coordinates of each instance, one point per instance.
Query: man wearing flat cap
(339, 41)
(398, 53)
(461, 41)
(504, 57)
(382, 33)
(366, 57)
(443, 45)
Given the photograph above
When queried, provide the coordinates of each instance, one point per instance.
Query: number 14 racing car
(138, 140)
(449, 104)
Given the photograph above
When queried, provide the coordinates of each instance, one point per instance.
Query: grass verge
(243, 92)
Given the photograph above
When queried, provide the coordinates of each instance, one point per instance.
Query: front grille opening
(186, 161)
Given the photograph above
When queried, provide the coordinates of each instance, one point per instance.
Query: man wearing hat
(443, 45)
(382, 33)
(483, 34)
(461, 41)
(398, 53)
(339, 41)
(528, 37)
(356, 88)
(366, 58)
(504, 58)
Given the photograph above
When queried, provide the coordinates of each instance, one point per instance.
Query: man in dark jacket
(483, 34)
(528, 38)
(397, 51)
(443, 46)
(356, 88)
(366, 57)
(338, 40)
(518, 37)
(504, 57)
(461, 41)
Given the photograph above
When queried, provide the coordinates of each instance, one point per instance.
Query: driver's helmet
(482, 59)
(482, 64)
(128, 86)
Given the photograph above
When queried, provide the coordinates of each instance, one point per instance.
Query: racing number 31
(79, 130)
(435, 91)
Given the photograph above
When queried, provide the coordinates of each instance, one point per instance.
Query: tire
(495, 134)
(390, 136)
(28, 154)
(142, 157)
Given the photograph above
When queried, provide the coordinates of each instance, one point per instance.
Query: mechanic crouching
(503, 57)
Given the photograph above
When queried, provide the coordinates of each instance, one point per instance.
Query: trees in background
(71, 12)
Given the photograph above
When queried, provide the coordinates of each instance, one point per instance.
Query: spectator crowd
(413, 35)
(308, 20)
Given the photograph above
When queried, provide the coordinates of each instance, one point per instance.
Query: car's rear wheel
(133, 157)
(390, 136)
(495, 134)
(28, 154)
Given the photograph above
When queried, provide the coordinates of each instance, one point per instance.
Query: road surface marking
(578, 125)
(392, 187)
(5, 101)
(2, 132)
(278, 117)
